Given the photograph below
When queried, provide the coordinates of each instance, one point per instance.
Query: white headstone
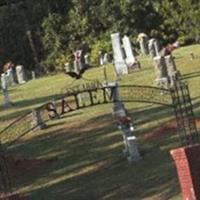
(3, 82)
(105, 58)
(87, 59)
(33, 75)
(144, 46)
(10, 77)
(153, 47)
(130, 58)
(7, 101)
(20, 74)
(119, 62)
(143, 41)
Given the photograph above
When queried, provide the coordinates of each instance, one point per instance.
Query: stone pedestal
(20, 74)
(134, 154)
(119, 110)
(187, 162)
(37, 121)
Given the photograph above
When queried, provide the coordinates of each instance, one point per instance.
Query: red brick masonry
(187, 161)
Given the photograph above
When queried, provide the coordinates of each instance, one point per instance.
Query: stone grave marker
(7, 100)
(20, 74)
(153, 47)
(119, 62)
(87, 59)
(10, 77)
(161, 71)
(33, 75)
(131, 60)
(78, 61)
(171, 69)
(143, 42)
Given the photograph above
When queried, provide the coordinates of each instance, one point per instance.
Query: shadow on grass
(190, 75)
(24, 106)
(91, 165)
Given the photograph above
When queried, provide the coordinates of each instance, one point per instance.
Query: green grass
(89, 146)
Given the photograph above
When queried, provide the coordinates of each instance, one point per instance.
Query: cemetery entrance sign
(177, 97)
(92, 94)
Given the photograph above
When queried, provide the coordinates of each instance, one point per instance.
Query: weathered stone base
(136, 66)
(188, 167)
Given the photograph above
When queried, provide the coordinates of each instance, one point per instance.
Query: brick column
(187, 160)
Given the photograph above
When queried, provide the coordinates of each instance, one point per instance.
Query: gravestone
(87, 59)
(78, 61)
(20, 74)
(7, 100)
(153, 47)
(105, 58)
(171, 69)
(10, 77)
(161, 71)
(119, 62)
(3, 81)
(33, 75)
(37, 121)
(101, 61)
(67, 67)
(143, 42)
(131, 61)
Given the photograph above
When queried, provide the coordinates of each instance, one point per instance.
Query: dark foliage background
(41, 34)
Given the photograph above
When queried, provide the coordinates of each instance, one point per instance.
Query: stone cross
(119, 62)
(20, 74)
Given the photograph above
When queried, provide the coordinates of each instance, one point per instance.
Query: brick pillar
(187, 160)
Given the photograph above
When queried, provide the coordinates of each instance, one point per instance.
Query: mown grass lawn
(88, 145)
